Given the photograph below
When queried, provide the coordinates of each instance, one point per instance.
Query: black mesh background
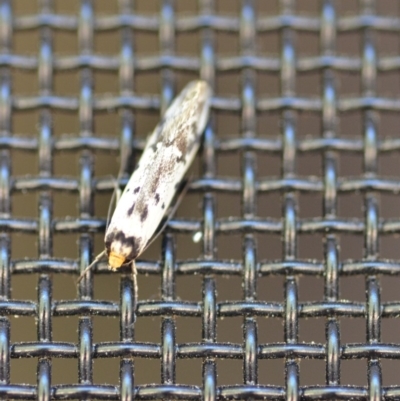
(293, 290)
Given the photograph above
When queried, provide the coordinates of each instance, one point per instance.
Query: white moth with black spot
(167, 156)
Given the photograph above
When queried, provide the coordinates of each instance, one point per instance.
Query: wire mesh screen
(292, 290)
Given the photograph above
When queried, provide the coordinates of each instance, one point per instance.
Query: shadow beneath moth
(168, 154)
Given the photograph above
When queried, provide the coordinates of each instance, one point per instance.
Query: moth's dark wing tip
(118, 239)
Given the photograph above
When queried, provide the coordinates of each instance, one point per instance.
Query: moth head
(121, 248)
(115, 261)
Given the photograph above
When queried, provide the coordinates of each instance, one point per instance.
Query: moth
(168, 153)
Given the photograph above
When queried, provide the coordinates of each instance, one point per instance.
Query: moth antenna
(113, 196)
(116, 195)
(96, 259)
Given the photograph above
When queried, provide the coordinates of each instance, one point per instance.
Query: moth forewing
(167, 156)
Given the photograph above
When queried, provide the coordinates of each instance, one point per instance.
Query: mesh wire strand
(248, 62)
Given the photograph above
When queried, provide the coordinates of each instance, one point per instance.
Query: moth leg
(135, 289)
(134, 277)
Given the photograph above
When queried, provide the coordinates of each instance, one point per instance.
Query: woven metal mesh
(267, 113)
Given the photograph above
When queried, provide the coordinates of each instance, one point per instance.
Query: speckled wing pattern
(168, 154)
